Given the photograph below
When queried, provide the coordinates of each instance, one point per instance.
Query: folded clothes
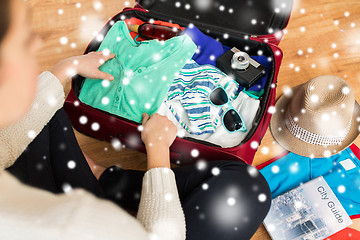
(143, 73)
(137, 21)
(191, 88)
(246, 106)
(341, 172)
(208, 50)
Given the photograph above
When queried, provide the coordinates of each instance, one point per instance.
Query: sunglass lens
(232, 120)
(218, 96)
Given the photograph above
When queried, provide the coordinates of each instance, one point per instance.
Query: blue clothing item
(143, 73)
(208, 49)
(341, 172)
(192, 88)
(226, 48)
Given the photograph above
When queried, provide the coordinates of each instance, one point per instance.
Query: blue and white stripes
(192, 87)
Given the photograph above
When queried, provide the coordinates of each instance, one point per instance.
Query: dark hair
(4, 18)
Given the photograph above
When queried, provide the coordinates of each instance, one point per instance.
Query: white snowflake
(327, 153)
(275, 169)
(231, 201)
(341, 189)
(264, 150)
(254, 144)
(194, 153)
(168, 197)
(97, 5)
(345, 90)
(64, 40)
(253, 172)
(147, 105)
(71, 164)
(95, 126)
(262, 197)
(99, 37)
(66, 187)
(201, 165)
(31, 134)
(105, 100)
(215, 171)
(314, 98)
(325, 117)
(116, 144)
(294, 168)
(83, 119)
(272, 109)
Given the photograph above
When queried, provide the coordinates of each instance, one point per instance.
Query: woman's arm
(160, 209)
(30, 213)
(15, 138)
(158, 134)
(49, 98)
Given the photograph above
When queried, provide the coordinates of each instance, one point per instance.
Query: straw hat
(318, 118)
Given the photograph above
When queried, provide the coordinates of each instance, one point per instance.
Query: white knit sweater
(29, 213)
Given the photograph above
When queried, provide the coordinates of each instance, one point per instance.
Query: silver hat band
(313, 138)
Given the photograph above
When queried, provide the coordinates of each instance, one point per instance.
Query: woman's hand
(85, 65)
(158, 134)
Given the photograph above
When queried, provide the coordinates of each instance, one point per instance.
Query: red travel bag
(254, 25)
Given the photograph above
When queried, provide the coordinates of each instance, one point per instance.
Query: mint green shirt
(143, 73)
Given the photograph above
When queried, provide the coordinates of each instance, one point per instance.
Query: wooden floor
(323, 37)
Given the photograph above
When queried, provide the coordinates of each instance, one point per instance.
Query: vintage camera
(239, 65)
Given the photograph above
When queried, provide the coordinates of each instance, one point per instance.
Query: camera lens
(240, 61)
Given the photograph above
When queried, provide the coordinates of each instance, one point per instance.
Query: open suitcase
(254, 24)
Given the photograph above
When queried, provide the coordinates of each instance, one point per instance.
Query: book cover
(308, 212)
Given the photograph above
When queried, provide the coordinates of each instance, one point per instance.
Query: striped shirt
(191, 87)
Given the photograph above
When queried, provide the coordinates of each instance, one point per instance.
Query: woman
(220, 200)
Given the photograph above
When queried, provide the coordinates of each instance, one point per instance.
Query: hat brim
(293, 144)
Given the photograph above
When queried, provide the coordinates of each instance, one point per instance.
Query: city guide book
(308, 212)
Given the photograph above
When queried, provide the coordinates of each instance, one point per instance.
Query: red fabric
(345, 234)
(137, 21)
(355, 150)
